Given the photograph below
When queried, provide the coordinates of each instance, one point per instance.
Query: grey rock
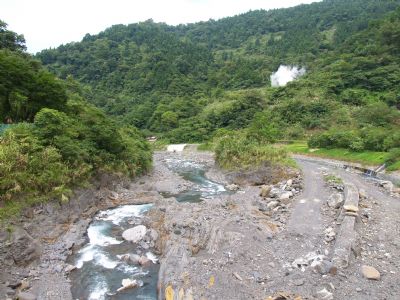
(322, 267)
(324, 294)
(274, 192)
(298, 282)
(26, 296)
(135, 234)
(285, 195)
(153, 234)
(329, 234)
(335, 200)
(25, 249)
(272, 204)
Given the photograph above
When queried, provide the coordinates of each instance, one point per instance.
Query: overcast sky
(50, 23)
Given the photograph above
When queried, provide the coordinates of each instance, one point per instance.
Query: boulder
(335, 200)
(135, 234)
(134, 258)
(289, 182)
(25, 249)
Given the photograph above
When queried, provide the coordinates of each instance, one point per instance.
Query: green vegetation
(367, 158)
(236, 150)
(59, 141)
(184, 83)
(330, 178)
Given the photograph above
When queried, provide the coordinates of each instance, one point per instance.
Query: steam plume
(286, 74)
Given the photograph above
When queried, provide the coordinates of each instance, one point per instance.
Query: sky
(50, 23)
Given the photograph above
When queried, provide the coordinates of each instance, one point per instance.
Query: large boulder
(335, 200)
(25, 249)
(135, 234)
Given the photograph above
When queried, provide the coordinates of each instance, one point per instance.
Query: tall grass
(237, 151)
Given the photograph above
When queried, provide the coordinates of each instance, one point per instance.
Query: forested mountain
(184, 82)
(53, 140)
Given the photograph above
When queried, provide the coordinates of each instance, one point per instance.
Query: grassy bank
(368, 158)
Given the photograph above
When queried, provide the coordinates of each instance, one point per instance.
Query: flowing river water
(100, 268)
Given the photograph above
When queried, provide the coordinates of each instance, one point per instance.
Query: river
(100, 267)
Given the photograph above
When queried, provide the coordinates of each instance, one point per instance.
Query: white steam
(286, 74)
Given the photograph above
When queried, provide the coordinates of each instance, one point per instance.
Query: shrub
(235, 151)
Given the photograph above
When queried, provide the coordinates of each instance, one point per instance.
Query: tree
(10, 40)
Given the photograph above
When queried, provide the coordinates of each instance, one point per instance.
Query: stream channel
(100, 268)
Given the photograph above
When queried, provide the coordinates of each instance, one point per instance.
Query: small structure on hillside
(151, 139)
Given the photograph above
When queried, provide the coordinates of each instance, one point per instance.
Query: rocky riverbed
(272, 234)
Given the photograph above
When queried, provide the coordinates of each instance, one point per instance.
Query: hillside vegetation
(54, 139)
(184, 82)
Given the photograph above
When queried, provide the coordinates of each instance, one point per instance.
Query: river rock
(370, 272)
(272, 204)
(25, 249)
(329, 234)
(153, 234)
(324, 294)
(351, 208)
(265, 190)
(285, 195)
(274, 192)
(144, 261)
(362, 193)
(135, 234)
(26, 296)
(289, 182)
(322, 267)
(127, 284)
(134, 258)
(232, 187)
(335, 200)
(388, 185)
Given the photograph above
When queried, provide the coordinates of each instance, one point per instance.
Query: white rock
(135, 234)
(324, 294)
(289, 182)
(127, 284)
(388, 185)
(285, 196)
(232, 187)
(274, 192)
(272, 204)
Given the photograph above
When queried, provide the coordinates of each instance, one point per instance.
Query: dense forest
(53, 140)
(185, 82)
